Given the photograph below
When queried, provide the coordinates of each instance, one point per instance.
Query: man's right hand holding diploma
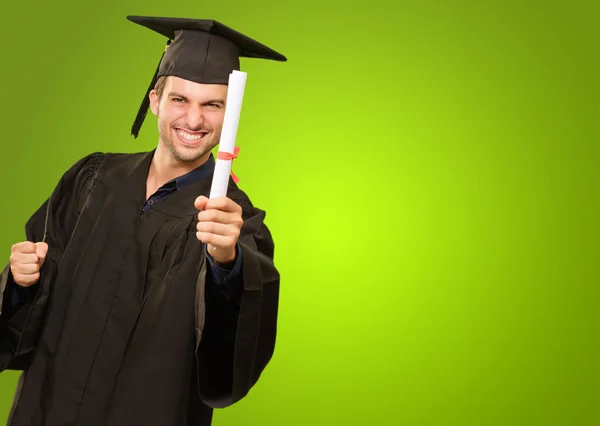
(219, 225)
(26, 261)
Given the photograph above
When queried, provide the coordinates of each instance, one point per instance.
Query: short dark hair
(160, 85)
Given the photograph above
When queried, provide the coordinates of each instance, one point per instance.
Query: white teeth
(189, 137)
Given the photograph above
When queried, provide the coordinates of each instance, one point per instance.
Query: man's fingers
(211, 216)
(24, 247)
(218, 216)
(41, 250)
(26, 268)
(26, 280)
(24, 258)
(219, 203)
(200, 202)
(224, 204)
(215, 228)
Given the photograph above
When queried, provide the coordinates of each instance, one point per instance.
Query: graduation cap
(200, 50)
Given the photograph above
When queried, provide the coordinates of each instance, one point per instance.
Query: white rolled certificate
(235, 96)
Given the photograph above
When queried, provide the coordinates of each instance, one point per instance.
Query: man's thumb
(41, 251)
(200, 202)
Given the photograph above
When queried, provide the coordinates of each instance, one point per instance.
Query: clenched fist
(26, 260)
(219, 226)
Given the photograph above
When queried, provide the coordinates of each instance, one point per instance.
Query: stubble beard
(186, 155)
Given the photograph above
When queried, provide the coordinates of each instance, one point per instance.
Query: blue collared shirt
(228, 278)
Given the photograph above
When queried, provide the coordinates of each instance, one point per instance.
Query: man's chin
(189, 157)
(189, 154)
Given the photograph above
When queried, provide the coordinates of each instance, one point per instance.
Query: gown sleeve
(238, 337)
(52, 223)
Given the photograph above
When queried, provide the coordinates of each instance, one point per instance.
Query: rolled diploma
(235, 95)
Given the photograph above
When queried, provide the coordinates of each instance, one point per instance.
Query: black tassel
(141, 115)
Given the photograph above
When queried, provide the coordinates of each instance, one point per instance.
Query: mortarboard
(200, 50)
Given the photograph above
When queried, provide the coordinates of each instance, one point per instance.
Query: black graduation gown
(126, 327)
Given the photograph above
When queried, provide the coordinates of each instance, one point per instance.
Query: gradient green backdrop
(430, 175)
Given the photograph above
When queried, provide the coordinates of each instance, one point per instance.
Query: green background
(430, 175)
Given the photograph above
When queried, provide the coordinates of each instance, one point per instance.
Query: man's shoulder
(241, 198)
(238, 195)
(112, 168)
(113, 159)
(108, 158)
(98, 162)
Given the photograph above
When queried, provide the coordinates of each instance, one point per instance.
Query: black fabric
(124, 329)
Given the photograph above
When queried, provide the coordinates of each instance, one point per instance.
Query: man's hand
(26, 260)
(219, 225)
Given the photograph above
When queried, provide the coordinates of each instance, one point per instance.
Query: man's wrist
(225, 260)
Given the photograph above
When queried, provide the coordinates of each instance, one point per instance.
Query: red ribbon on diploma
(222, 155)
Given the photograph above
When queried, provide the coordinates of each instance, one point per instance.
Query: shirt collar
(199, 173)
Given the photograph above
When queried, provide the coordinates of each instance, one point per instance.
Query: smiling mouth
(190, 136)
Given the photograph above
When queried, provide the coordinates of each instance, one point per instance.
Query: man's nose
(195, 118)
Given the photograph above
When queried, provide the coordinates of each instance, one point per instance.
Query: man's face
(190, 117)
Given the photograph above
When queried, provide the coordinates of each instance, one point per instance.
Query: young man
(136, 300)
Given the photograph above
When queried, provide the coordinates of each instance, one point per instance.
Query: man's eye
(178, 99)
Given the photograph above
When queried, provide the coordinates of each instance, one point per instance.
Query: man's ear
(154, 102)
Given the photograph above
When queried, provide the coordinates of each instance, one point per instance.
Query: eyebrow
(215, 101)
(211, 101)
(177, 95)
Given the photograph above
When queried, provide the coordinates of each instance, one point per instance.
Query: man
(135, 299)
